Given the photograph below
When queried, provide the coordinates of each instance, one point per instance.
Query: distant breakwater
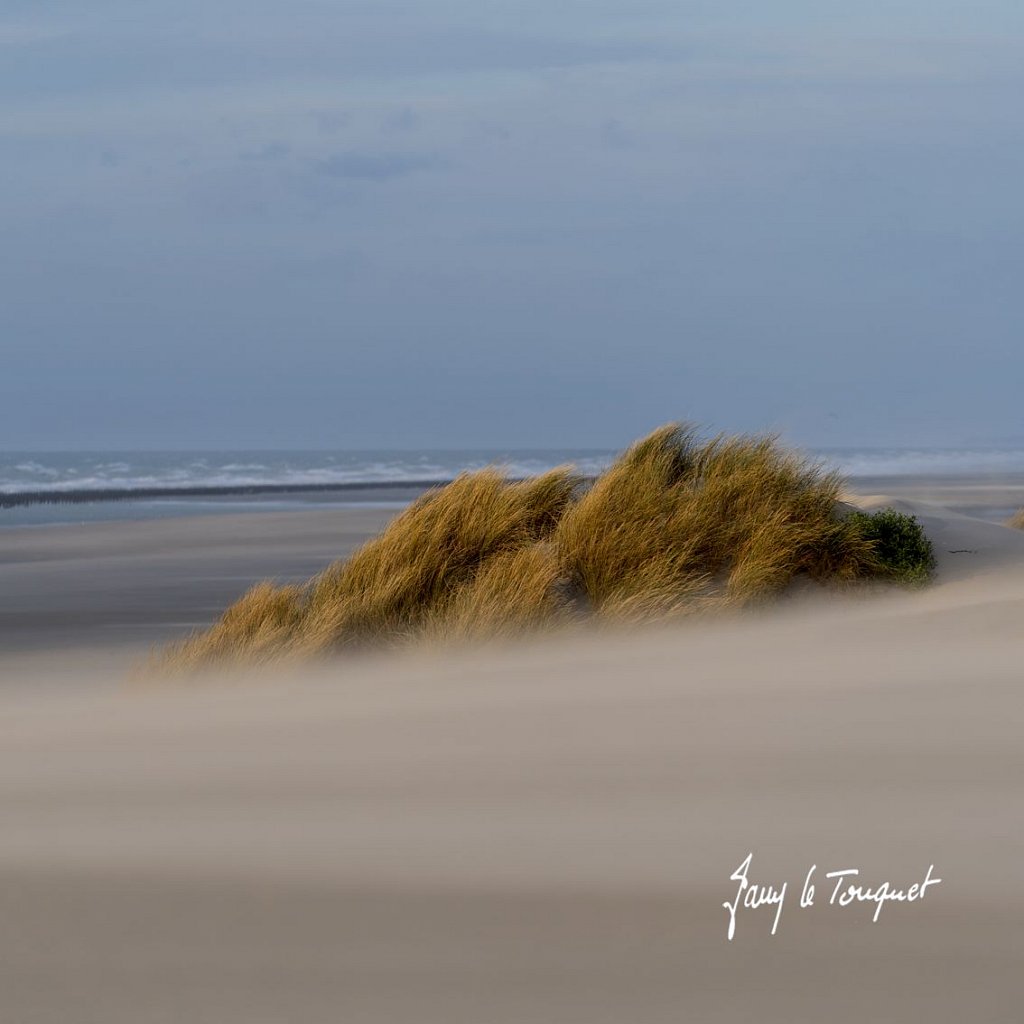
(394, 490)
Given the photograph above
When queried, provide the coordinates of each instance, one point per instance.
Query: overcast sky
(466, 223)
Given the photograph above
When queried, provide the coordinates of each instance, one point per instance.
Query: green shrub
(900, 544)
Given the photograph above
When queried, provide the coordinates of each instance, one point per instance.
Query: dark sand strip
(129, 585)
(404, 490)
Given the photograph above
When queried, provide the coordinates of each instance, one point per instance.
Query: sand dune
(542, 833)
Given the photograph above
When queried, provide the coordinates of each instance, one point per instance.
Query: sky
(485, 223)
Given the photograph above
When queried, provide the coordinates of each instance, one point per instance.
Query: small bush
(1016, 520)
(900, 544)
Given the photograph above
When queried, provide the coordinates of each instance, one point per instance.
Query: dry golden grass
(676, 525)
(513, 593)
(393, 584)
(1016, 520)
(258, 627)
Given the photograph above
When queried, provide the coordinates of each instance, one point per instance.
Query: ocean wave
(36, 468)
(91, 475)
(121, 474)
(925, 462)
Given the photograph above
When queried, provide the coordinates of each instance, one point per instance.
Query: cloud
(374, 166)
(106, 55)
(330, 121)
(615, 135)
(404, 120)
(271, 151)
(14, 34)
(740, 195)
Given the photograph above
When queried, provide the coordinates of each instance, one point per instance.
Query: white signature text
(846, 890)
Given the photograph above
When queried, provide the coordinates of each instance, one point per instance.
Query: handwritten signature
(751, 895)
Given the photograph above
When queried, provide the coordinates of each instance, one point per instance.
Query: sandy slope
(543, 834)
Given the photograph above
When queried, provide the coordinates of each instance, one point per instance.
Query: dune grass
(259, 626)
(414, 570)
(397, 583)
(513, 593)
(1016, 520)
(677, 525)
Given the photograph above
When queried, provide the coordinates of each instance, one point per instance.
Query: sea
(52, 488)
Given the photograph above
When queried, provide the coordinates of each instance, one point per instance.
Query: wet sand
(114, 589)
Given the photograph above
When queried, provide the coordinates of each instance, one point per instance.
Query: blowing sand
(538, 834)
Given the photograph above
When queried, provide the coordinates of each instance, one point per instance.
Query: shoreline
(994, 497)
(19, 499)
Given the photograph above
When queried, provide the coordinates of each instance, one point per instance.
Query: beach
(511, 513)
(540, 832)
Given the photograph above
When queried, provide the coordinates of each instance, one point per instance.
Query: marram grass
(392, 586)
(678, 523)
(676, 526)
